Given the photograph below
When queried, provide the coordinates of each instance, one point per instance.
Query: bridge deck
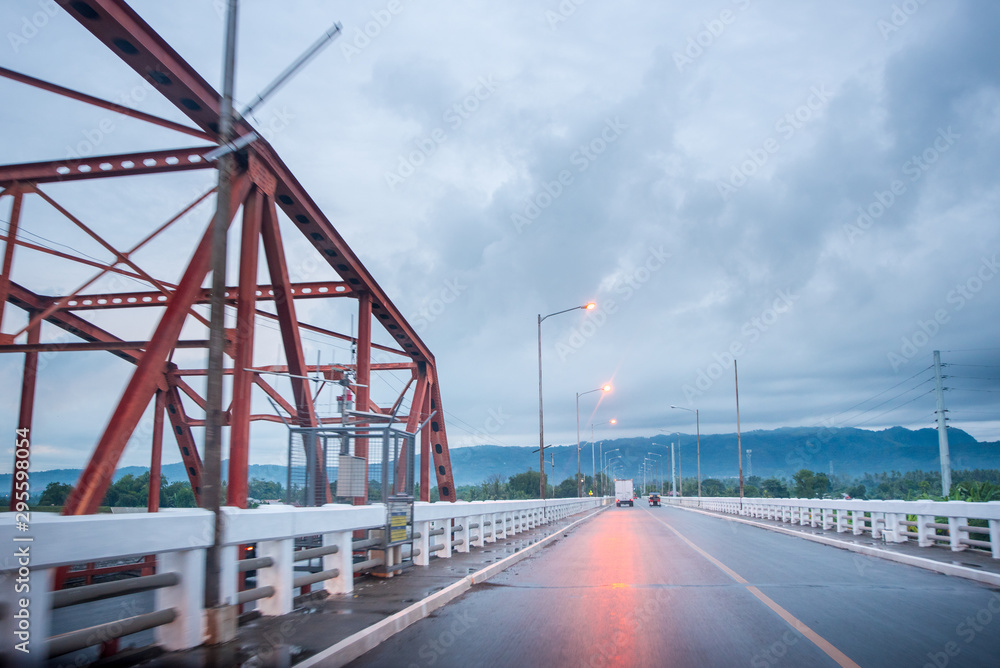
(664, 586)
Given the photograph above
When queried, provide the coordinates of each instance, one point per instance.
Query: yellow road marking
(793, 621)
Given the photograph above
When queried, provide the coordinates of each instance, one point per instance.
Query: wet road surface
(663, 586)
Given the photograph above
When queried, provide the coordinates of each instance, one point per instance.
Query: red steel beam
(105, 166)
(284, 303)
(25, 299)
(104, 104)
(425, 451)
(311, 290)
(94, 481)
(73, 258)
(246, 304)
(8, 254)
(181, 426)
(273, 393)
(439, 446)
(35, 347)
(130, 38)
(26, 413)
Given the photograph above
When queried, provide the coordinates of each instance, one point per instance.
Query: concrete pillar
(188, 598)
(842, 521)
(995, 538)
(858, 517)
(480, 533)
(894, 529)
(279, 576)
(342, 559)
(925, 534)
(957, 534)
(462, 534)
(423, 543)
(443, 539)
(878, 525)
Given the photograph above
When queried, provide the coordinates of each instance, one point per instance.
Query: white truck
(623, 492)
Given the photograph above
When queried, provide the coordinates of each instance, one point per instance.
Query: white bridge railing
(179, 538)
(929, 523)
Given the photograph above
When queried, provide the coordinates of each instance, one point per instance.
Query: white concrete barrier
(927, 522)
(179, 538)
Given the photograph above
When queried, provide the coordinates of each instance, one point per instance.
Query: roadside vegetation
(977, 485)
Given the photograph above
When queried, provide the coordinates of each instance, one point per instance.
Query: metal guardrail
(94, 635)
(98, 592)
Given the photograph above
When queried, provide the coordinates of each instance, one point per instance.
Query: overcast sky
(809, 187)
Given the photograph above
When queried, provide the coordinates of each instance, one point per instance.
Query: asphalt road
(667, 587)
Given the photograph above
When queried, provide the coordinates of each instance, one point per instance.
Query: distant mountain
(777, 452)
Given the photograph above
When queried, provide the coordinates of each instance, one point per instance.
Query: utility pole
(221, 618)
(739, 440)
(673, 472)
(680, 467)
(942, 428)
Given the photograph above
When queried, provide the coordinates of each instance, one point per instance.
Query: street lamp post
(604, 462)
(579, 489)
(680, 467)
(673, 472)
(697, 422)
(541, 418)
(661, 468)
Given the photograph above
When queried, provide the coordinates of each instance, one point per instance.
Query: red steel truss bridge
(268, 205)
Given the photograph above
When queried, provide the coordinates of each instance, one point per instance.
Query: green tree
(265, 489)
(857, 491)
(525, 485)
(178, 495)
(774, 488)
(566, 489)
(494, 487)
(55, 494)
(810, 485)
(712, 487)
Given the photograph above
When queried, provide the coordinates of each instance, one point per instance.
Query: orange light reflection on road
(616, 566)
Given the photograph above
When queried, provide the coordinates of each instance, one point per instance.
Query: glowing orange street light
(590, 306)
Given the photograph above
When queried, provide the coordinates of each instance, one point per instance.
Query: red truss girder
(312, 290)
(106, 166)
(265, 184)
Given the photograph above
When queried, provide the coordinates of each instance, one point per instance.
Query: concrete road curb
(984, 577)
(352, 647)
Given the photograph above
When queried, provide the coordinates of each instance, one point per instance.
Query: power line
(879, 405)
(873, 397)
(895, 408)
